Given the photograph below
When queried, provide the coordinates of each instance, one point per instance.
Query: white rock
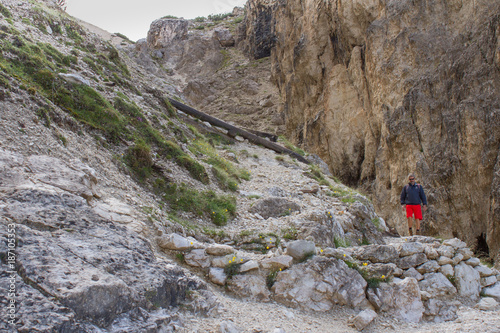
(493, 291)
(251, 286)
(447, 270)
(431, 253)
(174, 242)
(437, 285)
(446, 251)
(409, 248)
(483, 270)
(473, 262)
(197, 258)
(217, 276)
(412, 272)
(467, 281)
(455, 243)
(249, 266)
(279, 262)
(457, 259)
(229, 327)
(488, 281)
(219, 249)
(408, 305)
(364, 318)
(444, 261)
(299, 249)
(486, 304)
(226, 260)
(428, 267)
(75, 79)
(466, 252)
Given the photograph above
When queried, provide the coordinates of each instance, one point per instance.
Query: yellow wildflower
(365, 264)
(383, 276)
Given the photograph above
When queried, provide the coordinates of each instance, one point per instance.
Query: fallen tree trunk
(235, 130)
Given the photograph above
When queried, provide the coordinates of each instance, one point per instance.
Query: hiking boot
(417, 232)
(411, 231)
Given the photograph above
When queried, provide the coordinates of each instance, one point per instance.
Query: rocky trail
(120, 214)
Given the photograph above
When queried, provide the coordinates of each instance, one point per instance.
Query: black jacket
(413, 195)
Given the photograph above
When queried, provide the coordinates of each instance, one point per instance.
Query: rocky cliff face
(382, 88)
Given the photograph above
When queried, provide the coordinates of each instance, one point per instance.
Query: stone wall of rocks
(415, 278)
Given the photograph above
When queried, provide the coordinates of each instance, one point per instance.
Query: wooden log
(235, 130)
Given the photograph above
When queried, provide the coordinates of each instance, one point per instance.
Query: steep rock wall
(382, 88)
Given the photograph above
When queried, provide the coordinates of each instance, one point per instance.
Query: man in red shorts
(412, 196)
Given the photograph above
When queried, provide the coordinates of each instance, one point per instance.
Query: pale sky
(133, 17)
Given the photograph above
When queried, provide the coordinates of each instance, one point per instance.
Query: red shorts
(414, 209)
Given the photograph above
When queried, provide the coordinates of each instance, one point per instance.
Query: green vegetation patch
(5, 12)
(290, 146)
(207, 203)
(138, 158)
(224, 171)
(219, 17)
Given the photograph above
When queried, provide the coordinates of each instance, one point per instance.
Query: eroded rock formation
(380, 89)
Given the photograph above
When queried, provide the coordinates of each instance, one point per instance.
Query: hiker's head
(411, 178)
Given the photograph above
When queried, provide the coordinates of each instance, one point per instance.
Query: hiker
(412, 196)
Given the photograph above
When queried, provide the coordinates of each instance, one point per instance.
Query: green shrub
(290, 233)
(45, 78)
(138, 158)
(219, 17)
(271, 278)
(290, 146)
(341, 242)
(5, 12)
(207, 203)
(200, 19)
(169, 17)
(232, 269)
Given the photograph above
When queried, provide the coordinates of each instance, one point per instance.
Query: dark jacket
(413, 195)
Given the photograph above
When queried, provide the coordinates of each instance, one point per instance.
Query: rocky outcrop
(382, 89)
(73, 267)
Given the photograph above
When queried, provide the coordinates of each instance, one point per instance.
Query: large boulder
(437, 285)
(364, 318)
(411, 261)
(322, 226)
(174, 242)
(249, 286)
(377, 253)
(407, 303)
(401, 299)
(437, 310)
(197, 258)
(300, 249)
(409, 248)
(318, 284)
(468, 282)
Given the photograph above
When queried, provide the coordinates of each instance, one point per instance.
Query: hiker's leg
(410, 224)
(417, 225)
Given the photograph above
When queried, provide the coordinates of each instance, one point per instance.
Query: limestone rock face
(72, 263)
(319, 283)
(379, 89)
(162, 32)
